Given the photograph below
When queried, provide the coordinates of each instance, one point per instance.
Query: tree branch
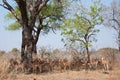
(81, 41)
(7, 5)
(39, 28)
(90, 35)
(3, 5)
(41, 5)
(86, 19)
(23, 9)
(10, 8)
(30, 6)
(116, 22)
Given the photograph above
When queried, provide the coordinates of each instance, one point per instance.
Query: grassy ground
(70, 75)
(66, 75)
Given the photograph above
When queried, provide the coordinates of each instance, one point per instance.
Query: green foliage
(14, 50)
(56, 51)
(82, 25)
(10, 16)
(13, 26)
(52, 15)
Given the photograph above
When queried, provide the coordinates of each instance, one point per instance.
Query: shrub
(2, 52)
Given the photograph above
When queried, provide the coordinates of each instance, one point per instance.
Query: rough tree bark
(29, 12)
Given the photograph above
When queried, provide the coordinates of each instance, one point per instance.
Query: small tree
(80, 29)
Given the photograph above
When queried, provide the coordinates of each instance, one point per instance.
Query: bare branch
(90, 35)
(41, 5)
(7, 6)
(95, 16)
(4, 6)
(53, 30)
(86, 19)
(81, 41)
(116, 22)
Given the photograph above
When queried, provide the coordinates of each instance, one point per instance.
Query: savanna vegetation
(78, 24)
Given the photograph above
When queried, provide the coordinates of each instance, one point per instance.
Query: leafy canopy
(52, 14)
(80, 29)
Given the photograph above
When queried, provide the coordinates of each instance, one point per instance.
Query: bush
(14, 50)
(2, 52)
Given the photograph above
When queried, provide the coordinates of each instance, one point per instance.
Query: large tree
(111, 15)
(81, 29)
(33, 16)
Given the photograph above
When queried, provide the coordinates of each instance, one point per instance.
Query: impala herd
(39, 66)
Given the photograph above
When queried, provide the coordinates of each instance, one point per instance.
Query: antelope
(13, 65)
(94, 63)
(64, 65)
(104, 63)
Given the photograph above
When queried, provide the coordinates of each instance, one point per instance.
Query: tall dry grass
(5, 73)
(4, 65)
(66, 75)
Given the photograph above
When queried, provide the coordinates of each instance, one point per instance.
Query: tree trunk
(28, 47)
(27, 44)
(34, 48)
(87, 51)
(88, 54)
(87, 46)
(88, 58)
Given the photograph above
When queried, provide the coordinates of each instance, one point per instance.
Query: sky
(12, 39)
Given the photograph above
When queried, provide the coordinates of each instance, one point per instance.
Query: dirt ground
(57, 75)
(67, 75)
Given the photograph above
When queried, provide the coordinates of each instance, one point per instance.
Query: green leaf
(81, 25)
(10, 16)
(13, 26)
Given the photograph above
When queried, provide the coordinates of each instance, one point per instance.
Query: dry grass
(67, 75)
(71, 75)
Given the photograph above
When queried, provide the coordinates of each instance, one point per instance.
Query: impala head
(102, 58)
